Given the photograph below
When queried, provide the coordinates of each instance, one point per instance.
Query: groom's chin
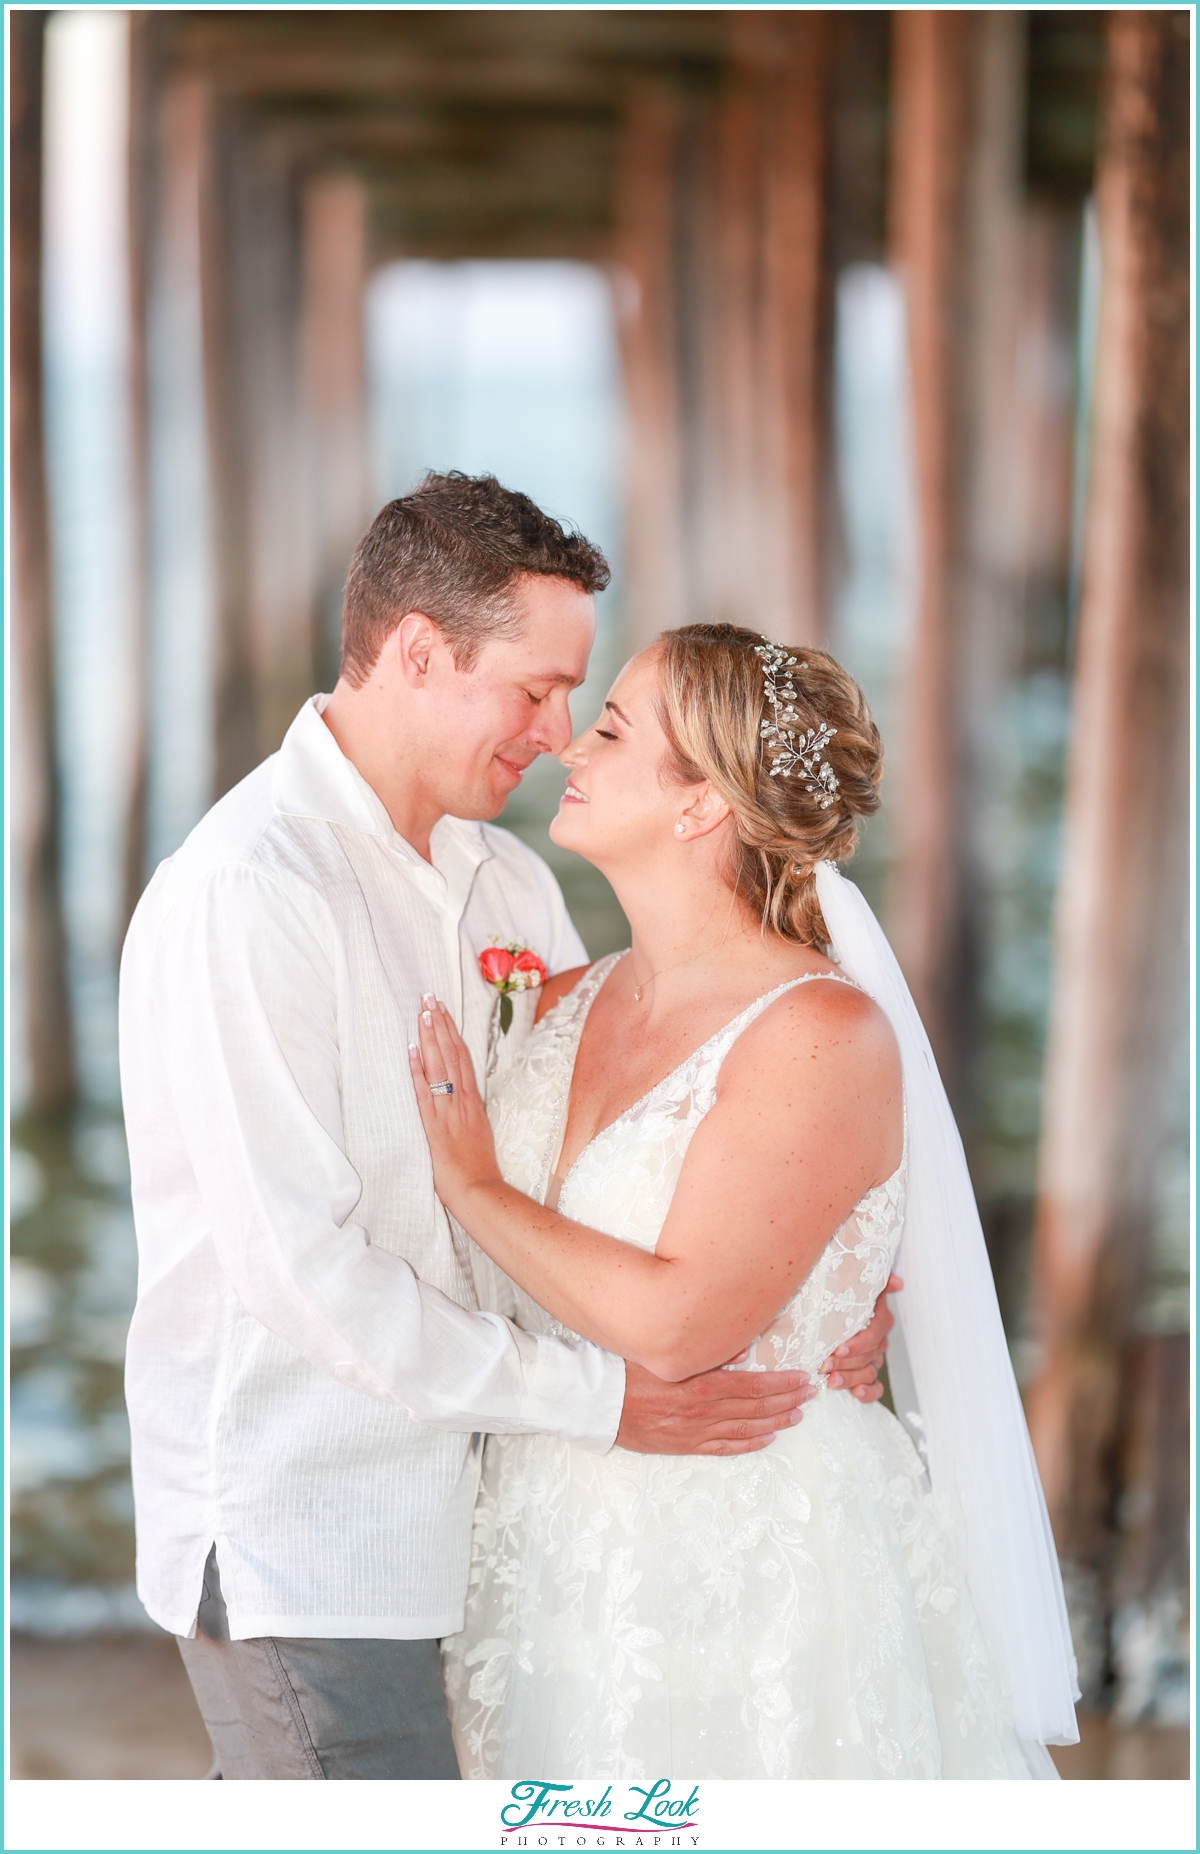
(475, 807)
(487, 799)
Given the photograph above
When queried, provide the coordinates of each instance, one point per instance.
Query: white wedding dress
(799, 1612)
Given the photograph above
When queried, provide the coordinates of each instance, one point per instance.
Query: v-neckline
(579, 1027)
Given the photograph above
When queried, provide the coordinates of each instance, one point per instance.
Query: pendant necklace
(640, 984)
(640, 987)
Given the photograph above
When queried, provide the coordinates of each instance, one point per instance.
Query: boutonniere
(508, 968)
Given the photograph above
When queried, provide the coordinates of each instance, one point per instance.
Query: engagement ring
(446, 1087)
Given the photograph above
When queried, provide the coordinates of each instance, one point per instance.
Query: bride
(716, 1141)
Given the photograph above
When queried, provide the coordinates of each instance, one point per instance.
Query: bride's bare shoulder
(826, 1022)
(556, 988)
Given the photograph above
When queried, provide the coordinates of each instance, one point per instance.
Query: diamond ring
(446, 1087)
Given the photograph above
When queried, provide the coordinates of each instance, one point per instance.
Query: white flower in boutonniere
(508, 968)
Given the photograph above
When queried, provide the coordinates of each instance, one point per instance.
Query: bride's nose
(573, 755)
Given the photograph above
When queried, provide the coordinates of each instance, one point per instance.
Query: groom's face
(493, 720)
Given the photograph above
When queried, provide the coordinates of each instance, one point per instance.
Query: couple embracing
(504, 1395)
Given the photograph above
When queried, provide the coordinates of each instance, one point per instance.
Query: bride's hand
(456, 1123)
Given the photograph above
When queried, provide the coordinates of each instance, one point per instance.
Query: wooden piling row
(1121, 954)
(726, 330)
(956, 194)
(36, 810)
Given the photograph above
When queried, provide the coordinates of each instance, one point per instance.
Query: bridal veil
(968, 1409)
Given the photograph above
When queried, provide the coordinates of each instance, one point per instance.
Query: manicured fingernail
(427, 1019)
(835, 1380)
(428, 999)
(809, 1394)
(841, 1351)
(797, 1416)
(414, 1049)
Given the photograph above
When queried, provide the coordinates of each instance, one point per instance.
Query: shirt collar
(314, 779)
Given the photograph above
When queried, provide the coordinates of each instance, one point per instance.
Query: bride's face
(617, 808)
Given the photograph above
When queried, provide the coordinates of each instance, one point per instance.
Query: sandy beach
(119, 1706)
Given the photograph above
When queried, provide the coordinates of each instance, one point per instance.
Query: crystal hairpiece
(795, 752)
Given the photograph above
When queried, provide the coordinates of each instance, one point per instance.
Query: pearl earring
(679, 830)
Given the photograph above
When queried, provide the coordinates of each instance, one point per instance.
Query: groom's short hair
(453, 550)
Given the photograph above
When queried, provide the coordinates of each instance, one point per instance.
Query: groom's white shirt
(303, 1375)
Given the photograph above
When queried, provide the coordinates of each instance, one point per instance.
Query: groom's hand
(855, 1365)
(717, 1413)
(734, 1412)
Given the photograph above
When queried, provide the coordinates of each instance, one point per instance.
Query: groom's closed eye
(538, 696)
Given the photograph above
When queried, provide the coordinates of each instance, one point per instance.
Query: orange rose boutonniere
(509, 968)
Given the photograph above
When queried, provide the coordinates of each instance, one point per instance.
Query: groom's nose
(551, 729)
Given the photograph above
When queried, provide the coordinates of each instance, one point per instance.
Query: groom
(308, 1374)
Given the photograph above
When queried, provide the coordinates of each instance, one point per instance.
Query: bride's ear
(706, 813)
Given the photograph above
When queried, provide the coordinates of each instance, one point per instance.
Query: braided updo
(711, 704)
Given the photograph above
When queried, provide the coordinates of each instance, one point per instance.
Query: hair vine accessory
(795, 752)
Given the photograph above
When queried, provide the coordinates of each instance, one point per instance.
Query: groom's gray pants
(279, 1707)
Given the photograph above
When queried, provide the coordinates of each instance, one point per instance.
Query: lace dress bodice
(622, 1182)
(798, 1611)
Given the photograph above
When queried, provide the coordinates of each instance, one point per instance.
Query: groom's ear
(413, 643)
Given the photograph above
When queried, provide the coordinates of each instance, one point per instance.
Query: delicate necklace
(641, 984)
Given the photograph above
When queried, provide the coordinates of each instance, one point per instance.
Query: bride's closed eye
(605, 735)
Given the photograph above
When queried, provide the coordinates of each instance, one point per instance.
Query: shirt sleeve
(248, 1035)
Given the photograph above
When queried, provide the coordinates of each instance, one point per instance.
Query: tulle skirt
(796, 1613)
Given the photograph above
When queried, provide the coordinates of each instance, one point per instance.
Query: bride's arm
(807, 1118)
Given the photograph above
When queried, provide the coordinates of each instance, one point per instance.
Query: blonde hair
(711, 706)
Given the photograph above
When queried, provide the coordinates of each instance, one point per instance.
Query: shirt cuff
(577, 1391)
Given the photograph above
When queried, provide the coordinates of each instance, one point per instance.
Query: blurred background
(867, 329)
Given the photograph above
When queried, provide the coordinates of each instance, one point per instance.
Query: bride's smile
(614, 770)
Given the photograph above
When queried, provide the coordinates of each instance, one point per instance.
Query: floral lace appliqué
(797, 1612)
